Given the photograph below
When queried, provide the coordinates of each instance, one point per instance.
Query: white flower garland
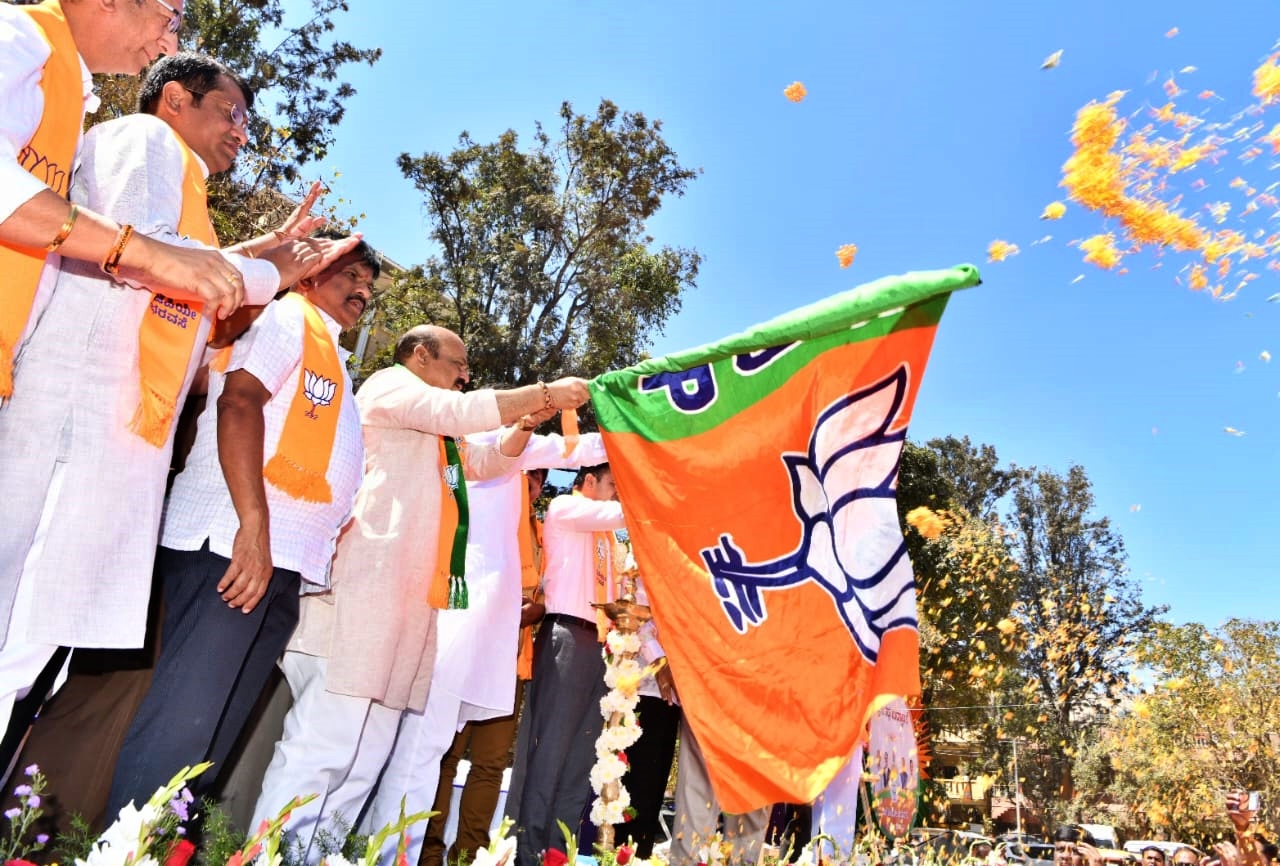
(621, 668)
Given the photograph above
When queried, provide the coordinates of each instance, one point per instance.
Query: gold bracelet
(546, 395)
(65, 231)
(111, 264)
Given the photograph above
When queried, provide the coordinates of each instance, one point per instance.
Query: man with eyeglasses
(48, 54)
(88, 434)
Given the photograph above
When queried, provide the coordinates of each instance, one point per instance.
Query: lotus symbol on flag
(318, 390)
(843, 494)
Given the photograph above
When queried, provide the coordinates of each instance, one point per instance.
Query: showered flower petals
(1053, 211)
(846, 253)
(1266, 81)
(926, 522)
(998, 251)
(795, 91)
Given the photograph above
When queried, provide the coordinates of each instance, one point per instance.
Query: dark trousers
(487, 744)
(214, 663)
(648, 769)
(556, 747)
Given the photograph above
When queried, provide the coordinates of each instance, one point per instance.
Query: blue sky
(929, 131)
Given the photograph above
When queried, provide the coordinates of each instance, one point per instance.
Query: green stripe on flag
(868, 312)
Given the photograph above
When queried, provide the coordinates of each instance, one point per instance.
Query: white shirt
(569, 552)
(303, 533)
(476, 648)
(76, 388)
(23, 54)
(650, 649)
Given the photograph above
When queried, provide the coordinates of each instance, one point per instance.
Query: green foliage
(1081, 611)
(76, 843)
(1208, 723)
(544, 268)
(219, 837)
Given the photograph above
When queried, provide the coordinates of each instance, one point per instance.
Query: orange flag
(758, 475)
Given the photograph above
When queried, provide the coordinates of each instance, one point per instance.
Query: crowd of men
(380, 547)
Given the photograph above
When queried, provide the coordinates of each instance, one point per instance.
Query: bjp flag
(758, 477)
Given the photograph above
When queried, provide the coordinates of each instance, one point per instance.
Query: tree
(544, 268)
(1082, 615)
(1208, 723)
(965, 580)
(293, 69)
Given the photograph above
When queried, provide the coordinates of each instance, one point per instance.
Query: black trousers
(648, 768)
(214, 663)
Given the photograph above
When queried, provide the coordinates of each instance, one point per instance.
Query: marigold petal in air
(998, 251)
(1053, 211)
(795, 91)
(1101, 251)
(846, 253)
(1006, 626)
(926, 522)
(1266, 81)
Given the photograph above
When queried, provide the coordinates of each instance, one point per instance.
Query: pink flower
(554, 857)
(623, 855)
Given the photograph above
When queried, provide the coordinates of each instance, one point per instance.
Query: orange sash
(167, 336)
(300, 465)
(448, 590)
(529, 532)
(49, 156)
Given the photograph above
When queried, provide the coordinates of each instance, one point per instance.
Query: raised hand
(301, 223)
(298, 259)
(569, 392)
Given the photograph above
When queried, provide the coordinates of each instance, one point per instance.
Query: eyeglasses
(238, 115)
(175, 17)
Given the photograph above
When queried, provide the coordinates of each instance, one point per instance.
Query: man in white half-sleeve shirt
(88, 433)
(364, 652)
(556, 743)
(474, 676)
(254, 516)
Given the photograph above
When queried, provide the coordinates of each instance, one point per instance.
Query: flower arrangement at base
(137, 835)
(501, 849)
(15, 848)
(373, 850)
(622, 675)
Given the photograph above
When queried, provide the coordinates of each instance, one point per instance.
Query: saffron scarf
(529, 533)
(449, 585)
(603, 543)
(48, 156)
(167, 336)
(300, 465)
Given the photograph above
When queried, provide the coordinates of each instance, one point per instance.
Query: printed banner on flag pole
(758, 477)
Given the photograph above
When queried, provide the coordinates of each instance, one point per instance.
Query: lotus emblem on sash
(318, 390)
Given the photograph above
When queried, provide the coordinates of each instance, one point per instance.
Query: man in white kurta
(78, 543)
(363, 652)
(556, 743)
(104, 38)
(223, 632)
(475, 668)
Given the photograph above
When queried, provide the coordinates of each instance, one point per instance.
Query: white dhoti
(333, 746)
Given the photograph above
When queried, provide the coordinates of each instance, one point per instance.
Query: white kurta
(569, 553)
(75, 391)
(23, 53)
(476, 648)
